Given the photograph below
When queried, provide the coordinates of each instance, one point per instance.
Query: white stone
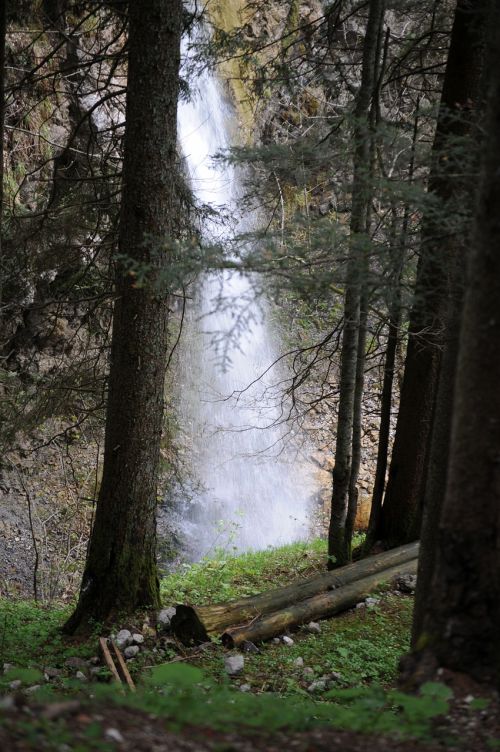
(131, 651)
(245, 688)
(81, 676)
(113, 735)
(287, 641)
(15, 684)
(165, 616)
(313, 627)
(32, 689)
(317, 686)
(123, 638)
(137, 639)
(299, 662)
(234, 664)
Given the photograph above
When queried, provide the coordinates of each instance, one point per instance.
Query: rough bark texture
(339, 542)
(462, 610)
(318, 607)
(468, 37)
(442, 255)
(3, 29)
(120, 573)
(196, 623)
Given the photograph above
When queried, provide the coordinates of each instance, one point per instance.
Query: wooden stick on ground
(103, 642)
(319, 606)
(122, 666)
(120, 674)
(196, 623)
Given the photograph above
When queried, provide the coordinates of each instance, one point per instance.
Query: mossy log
(196, 623)
(318, 607)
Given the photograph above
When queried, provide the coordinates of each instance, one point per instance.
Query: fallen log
(318, 607)
(195, 623)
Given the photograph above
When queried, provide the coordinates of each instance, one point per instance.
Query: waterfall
(250, 488)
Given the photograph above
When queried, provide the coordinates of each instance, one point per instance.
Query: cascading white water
(250, 489)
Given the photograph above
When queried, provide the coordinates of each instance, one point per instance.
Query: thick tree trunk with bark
(339, 535)
(3, 30)
(440, 270)
(120, 572)
(468, 39)
(196, 623)
(461, 615)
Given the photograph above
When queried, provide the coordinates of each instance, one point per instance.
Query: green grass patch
(224, 577)
(30, 635)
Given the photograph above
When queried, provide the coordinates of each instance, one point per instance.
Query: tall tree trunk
(339, 535)
(461, 613)
(471, 29)
(120, 573)
(3, 31)
(401, 515)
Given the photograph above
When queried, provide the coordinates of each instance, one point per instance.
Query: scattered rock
(165, 617)
(81, 676)
(16, 684)
(131, 651)
(8, 667)
(287, 641)
(313, 627)
(299, 662)
(317, 686)
(335, 676)
(137, 639)
(406, 583)
(245, 688)
(51, 673)
(34, 688)
(276, 641)
(76, 663)
(234, 664)
(372, 602)
(113, 735)
(95, 660)
(60, 709)
(7, 702)
(308, 671)
(123, 638)
(361, 605)
(249, 647)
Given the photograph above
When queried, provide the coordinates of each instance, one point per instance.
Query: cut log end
(187, 627)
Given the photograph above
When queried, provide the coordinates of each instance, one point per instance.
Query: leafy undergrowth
(361, 647)
(30, 634)
(341, 677)
(224, 577)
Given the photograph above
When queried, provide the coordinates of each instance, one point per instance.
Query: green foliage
(30, 636)
(224, 577)
(185, 696)
(363, 647)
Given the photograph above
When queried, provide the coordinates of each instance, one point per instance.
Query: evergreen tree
(120, 572)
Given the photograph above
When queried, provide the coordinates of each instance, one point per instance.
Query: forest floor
(332, 689)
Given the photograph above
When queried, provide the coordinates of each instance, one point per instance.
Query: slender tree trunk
(461, 611)
(401, 515)
(339, 541)
(386, 396)
(120, 573)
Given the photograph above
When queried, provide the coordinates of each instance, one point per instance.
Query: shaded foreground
(75, 725)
